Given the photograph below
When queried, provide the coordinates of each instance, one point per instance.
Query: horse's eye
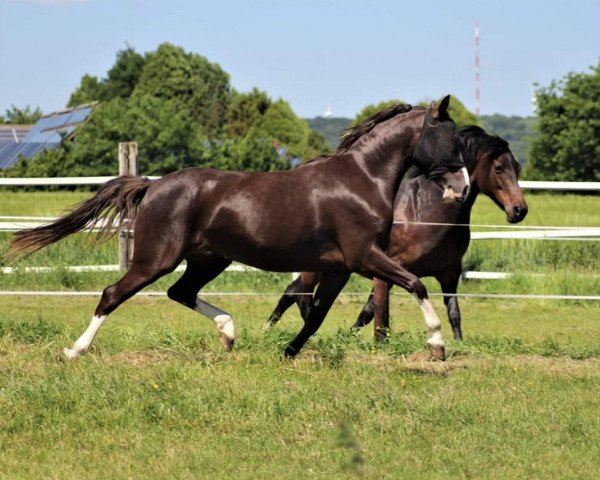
(498, 168)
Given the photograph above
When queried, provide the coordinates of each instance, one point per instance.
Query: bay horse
(419, 243)
(332, 216)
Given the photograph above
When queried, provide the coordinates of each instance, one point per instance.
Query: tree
(23, 116)
(199, 87)
(460, 114)
(517, 131)
(124, 75)
(90, 90)
(372, 109)
(244, 111)
(120, 81)
(281, 125)
(567, 147)
(457, 110)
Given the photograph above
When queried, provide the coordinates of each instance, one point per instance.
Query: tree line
(182, 111)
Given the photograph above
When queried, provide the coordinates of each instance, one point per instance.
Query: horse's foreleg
(330, 286)
(449, 283)
(199, 272)
(137, 277)
(378, 264)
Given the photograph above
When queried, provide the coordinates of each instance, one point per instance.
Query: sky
(339, 53)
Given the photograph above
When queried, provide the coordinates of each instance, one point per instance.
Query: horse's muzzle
(455, 185)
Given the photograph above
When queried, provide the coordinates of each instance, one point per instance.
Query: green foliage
(458, 111)
(331, 128)
(372, 109)
(120, 81)
(317, 145)
(281, 124)
(244, 111)
(256, 119)
(198, 87)
(517, 131)
(179, 108)
(22, 116)
(460, 114)
(90, 90)
(567, 147)
(124, 75)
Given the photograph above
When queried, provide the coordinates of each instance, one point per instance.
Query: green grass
(158, 398)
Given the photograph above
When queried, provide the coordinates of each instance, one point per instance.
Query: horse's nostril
(519, 211)
(465, 191)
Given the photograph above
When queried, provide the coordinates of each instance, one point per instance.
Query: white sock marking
(432, 321)
(84, 342)
(222, 319)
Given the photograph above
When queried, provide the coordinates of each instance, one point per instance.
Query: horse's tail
(116, 201)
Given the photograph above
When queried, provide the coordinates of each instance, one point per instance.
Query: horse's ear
(432, 111)
(444, 104)
(440, 112)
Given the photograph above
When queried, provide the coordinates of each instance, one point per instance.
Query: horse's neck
(383, 153)
(418, 191)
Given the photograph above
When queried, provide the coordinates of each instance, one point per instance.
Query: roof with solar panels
(48, 132)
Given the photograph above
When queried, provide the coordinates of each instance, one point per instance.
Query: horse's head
(438, 154)
(496, 173)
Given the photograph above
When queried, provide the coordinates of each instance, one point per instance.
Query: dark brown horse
(332, 216)
(432, 250)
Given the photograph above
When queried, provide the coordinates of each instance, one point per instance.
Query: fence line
(523, 232)
(499, 296)
(65, 181)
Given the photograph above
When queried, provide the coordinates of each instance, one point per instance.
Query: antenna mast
(477, 82)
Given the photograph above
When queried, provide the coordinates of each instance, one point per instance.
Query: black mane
(474, 139)
(352, 134)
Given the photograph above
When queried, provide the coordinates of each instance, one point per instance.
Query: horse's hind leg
(329, 288)
(200, 271)
(139, 275)
(286, 301)
(378, 264)
(449, 283)
(378, 308)
(298, 291)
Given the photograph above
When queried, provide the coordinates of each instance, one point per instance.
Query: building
(48, 132)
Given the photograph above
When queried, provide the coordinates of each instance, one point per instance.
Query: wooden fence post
(127, 166)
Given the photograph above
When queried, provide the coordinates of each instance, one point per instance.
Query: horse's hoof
(290, 352)
(438, 352)
(67, 354)
(226, 341)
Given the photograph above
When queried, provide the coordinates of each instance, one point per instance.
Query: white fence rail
(14, 223)
(61, 181)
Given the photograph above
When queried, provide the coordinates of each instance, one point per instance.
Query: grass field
(158, 398)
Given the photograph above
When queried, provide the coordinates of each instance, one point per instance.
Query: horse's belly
(279, 257)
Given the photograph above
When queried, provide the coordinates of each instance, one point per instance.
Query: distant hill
(331, 128)
(517, 131)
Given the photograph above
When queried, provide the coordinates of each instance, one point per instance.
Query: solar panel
(80, 115)
(48, 132)
(10, 152)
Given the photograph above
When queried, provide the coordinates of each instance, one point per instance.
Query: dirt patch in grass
(142, 357)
